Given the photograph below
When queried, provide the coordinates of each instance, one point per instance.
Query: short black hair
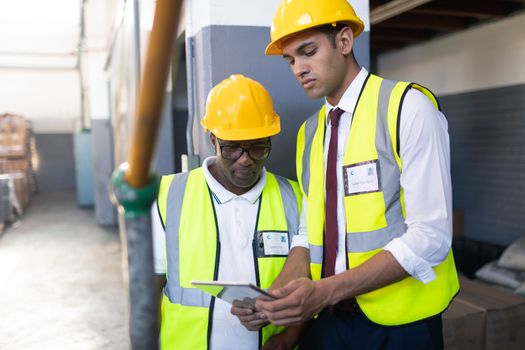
(331, 31)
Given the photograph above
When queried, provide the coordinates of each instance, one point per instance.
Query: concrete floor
(61, 280)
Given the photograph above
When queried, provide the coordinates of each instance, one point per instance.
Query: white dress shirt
(425, 179)
(236, 219)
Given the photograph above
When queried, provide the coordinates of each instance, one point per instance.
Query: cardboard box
(463, 327)
(19, 165)
(13, 136)
(504, 314)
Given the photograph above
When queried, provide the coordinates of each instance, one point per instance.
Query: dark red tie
(330, 244)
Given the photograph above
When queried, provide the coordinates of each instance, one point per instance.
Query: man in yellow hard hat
(374, 169)
(229, 220)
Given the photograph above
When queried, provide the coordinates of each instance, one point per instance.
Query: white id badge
(275, 243)
(361, 178)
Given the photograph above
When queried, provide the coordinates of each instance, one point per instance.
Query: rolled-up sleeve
(427, 189)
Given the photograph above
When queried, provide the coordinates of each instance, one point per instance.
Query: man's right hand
(251, 319)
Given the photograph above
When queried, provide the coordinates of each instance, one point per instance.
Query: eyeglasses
(235, 151)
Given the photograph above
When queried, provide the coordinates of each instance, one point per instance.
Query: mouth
(245, 173)
(308, 83)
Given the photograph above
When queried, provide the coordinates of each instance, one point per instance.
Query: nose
(245, 159)
(299, 68)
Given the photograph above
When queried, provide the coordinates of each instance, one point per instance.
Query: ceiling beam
(392, 9)
(385, 45)
(400, 34)
(398, 39)
(479, 9)
(419, 21)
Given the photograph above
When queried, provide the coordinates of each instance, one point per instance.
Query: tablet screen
(242, 292)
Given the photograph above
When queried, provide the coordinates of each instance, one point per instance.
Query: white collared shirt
(425, 179)
(236, 219)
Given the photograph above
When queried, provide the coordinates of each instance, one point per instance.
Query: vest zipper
(215, 272)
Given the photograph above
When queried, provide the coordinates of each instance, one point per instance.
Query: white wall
(486, 56)
(100, 16)
(49, 98)
(38, 41)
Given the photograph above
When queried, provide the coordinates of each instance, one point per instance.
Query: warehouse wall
(487, 133)
(479, 77)
(483, 57)
(56, 165)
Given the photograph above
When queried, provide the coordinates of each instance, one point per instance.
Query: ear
(345, 40)
(213, 140)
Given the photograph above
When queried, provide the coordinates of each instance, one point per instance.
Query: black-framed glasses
(235, 151)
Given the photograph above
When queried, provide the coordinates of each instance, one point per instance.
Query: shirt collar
(349, 99)
(222, 194)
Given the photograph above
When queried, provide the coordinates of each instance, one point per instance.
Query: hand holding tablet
(242, 292)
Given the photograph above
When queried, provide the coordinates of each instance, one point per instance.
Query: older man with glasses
(228, 220)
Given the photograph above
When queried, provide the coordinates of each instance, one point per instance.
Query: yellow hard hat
(240, 108)
(293, 16)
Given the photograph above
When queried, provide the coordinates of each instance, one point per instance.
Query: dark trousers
(352, 330)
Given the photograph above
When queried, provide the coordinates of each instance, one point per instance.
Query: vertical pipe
(80, 67)
(191, 95)
(134, 188)
(134, 206)
(152, 91)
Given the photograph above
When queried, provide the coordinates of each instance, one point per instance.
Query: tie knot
(335, 115)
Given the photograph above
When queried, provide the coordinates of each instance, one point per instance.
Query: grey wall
(56, 164)
(101, 130)
(224, 50)
(163, 162)
(487, 133)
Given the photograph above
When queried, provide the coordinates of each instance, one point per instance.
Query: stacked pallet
(17, 177)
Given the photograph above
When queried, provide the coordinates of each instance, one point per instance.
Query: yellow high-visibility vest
(373, 218)
(192, 246)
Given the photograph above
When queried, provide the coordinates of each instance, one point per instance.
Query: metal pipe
(152, 91)
(80, 66)
(134, 189)
(191, 95)
(135, 231)
(136, 34)
(190, 73)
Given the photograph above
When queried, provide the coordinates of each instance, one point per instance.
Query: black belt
(347, 306)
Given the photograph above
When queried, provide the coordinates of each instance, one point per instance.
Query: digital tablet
(244, 293)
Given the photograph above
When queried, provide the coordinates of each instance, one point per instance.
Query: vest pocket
(365, 212)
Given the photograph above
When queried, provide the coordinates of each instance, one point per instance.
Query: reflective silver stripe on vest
(390, 173)
(175, 293)
(188, 297)
(389, 178)
(316, 253)
(309, 132)
(359, 242)
(291, 207)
